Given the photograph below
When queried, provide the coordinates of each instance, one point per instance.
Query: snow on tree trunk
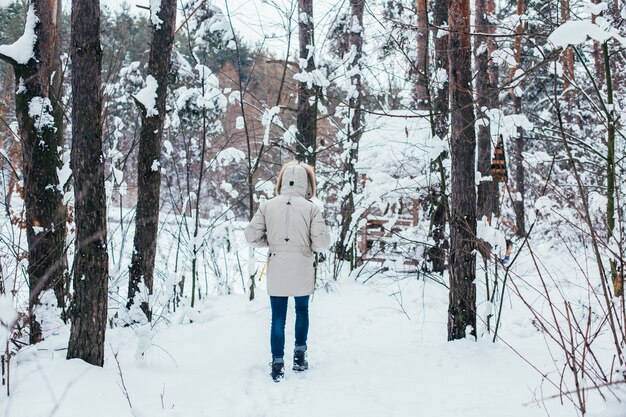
(422, 96)
(462, 307)
(149, 175)
(306, 119)
(437, 195)
(346, 243)
(33, 59)
(567, 60)
(486, 98)
(520, 141)
(88, 311)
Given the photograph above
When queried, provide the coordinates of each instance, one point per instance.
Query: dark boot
(278, 369)
(299, 361)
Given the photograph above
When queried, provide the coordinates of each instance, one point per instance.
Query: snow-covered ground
(371, 354)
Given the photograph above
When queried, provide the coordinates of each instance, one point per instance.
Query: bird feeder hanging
(498, 163)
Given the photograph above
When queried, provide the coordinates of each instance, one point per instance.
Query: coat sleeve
(320, 235)
(256, 231)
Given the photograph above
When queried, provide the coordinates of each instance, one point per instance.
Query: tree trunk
(462, 307)
(437, 195)
(486, 98)
(45, 212)
(88, 311)
(346, 243)
(618, 284)
(520, 141)
(422, 99)
(597, 53)
(568, 65)
(306, 119)
(149, 175)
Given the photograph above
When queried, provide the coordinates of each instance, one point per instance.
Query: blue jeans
(279, 316)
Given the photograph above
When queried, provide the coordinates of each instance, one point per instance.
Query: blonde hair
(310, 173)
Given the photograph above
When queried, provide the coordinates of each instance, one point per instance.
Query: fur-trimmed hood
(292, 178)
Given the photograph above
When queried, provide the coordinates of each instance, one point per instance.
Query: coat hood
(296, 179)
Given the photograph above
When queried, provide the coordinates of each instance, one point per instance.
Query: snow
(239, 123)
(147, 96)
(40, 110)
(577, 32)
(270, 116)
(593, 8)
(22, 50)
(228, 156)
(290, 135)
(490, 233)
(7, 316)
(367, 358)
(155, 8)
(312, 78)
(155, 165)
(504, 57)
(397, 143)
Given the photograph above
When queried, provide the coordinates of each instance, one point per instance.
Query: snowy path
(367, 359)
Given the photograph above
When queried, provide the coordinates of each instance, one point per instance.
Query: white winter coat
(293, 228)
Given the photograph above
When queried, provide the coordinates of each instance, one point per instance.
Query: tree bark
(149, 175)
(45, 212)
(306, 119)
(568, 65)
(462, 307)
(88, 311)
(597, 54)
(520, 141)
(436, 254)
(422, 96)
(486, 98)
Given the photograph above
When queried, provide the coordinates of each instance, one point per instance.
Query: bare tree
(149, 178)
(40, 130)
(88, 311)
(462, 307)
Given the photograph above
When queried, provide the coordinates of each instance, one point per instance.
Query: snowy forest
(470, 159)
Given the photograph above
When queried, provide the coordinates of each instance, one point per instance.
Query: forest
(468, 161)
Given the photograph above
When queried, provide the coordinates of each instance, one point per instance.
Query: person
(292, 227)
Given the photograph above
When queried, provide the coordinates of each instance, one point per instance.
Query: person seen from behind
(292, 227)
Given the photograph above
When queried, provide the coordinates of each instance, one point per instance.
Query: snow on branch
(22, 50)
(315, 77)
(270, 116)
(577, 32)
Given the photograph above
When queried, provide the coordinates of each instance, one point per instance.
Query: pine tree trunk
(88, 311)
(422, 96)
(568, 66)
(597, 54)
(486, 98)
(45, 212)
(347, 245)
(437, 195)
(306, 119)
(149, 178)
(462, 307)
(520, 141)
